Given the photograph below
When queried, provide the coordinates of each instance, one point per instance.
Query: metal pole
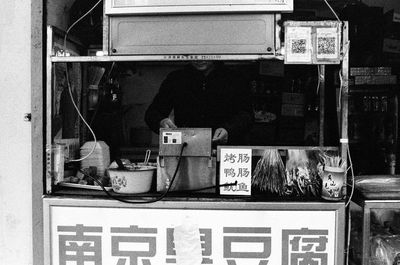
(344, 139)
(321, 79)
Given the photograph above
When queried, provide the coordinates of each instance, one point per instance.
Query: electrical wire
(352, 177)
(348, 238)
(333, 11)
(142, 202)
(210, 187)
(76, 22)
(162, 195)
(319, 79)
(348, 203)
(69, 85)
(341, 77)
(340, 90)
(82, 118)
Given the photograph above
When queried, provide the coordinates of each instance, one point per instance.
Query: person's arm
(161, 106)
(241, 121)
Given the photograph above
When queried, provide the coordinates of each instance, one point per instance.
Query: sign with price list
(235, 166)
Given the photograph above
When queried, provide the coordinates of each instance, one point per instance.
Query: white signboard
(235, 167)
(132, 236)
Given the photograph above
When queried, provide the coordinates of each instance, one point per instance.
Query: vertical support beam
(84, 102)
(38, 138)
(366, 234)
(321, 79)
(278, 40)
(344, 139)
(106, 24)
(49, 105)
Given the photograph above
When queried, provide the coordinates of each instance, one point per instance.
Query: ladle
(120, 164)
(147, 157)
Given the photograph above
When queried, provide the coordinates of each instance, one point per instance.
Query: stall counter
(81, 229)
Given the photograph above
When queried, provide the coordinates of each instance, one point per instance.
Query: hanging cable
(142, 202)
(76, 22)
(333, 11)
(352, 177)
(340, 90)
(82, 118)
(69, 85)
(319, 79)
(348, 238)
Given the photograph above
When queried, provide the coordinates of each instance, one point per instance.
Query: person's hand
(167, 123)
(220, 136)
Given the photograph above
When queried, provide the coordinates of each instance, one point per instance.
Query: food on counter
(131, 177)
(269, 174)
(303, 172)
(87, 176)
(299, 176)
(130, 165)
(385, 250)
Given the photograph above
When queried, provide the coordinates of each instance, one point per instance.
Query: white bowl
(136, 180)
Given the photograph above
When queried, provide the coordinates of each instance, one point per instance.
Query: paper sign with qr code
(298, 44)
(327, 43)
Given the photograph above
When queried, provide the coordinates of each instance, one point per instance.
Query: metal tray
(81, 186)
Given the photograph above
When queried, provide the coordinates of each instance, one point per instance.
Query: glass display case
(375, 233)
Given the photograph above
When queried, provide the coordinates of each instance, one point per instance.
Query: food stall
(248, 204)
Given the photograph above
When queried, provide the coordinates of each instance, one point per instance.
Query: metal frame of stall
(339, 208)
(368, 205)
(53, 58)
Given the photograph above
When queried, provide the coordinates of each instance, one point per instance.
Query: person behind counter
(204, 94)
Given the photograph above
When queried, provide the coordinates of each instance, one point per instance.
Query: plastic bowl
(137, 180)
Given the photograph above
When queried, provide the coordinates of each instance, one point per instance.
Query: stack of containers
(100, 158)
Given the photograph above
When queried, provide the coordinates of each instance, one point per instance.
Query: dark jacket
(219, 100)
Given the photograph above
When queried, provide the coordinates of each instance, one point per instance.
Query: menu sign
(235, 167)
(132, 236)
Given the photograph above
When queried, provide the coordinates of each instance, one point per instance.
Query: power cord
(141, 202)
(76, 22)
(349, 210)
(333, 11)
(69, 85)
(210, 187)
(82, 118)
(352, 178)
(162, 195)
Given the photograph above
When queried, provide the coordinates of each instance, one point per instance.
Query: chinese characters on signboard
(235, 166)
(232, 237)
(132, 245)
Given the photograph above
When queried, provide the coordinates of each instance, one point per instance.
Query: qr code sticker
(299, 46)
(326, 45)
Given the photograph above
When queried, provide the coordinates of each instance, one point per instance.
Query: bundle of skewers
(333, 161)
(269, 174)
(303, 171)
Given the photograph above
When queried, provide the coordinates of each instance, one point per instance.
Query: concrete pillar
(20, 189)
